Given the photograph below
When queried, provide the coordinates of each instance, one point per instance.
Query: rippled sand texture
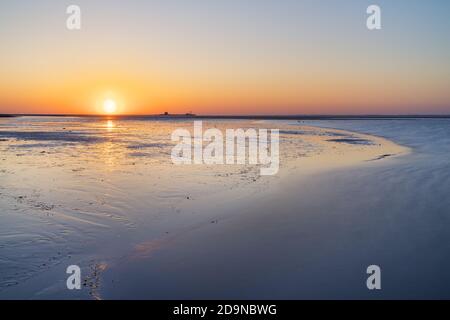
(92, 191)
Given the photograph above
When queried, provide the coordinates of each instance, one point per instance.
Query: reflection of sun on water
(108, 155)
(110, 125)
(109, 149)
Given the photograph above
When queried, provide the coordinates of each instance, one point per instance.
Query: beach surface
(104, 195)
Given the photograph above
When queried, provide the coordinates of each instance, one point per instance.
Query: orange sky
(220, 61)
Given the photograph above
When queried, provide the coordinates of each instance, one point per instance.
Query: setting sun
(109, 106)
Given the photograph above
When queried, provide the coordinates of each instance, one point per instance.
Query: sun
(109, 106)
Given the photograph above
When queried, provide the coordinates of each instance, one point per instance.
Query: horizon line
(237, 116)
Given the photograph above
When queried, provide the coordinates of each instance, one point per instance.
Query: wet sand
(141, 228)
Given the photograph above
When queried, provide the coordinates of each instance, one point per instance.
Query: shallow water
(403, 209)
(104, 194)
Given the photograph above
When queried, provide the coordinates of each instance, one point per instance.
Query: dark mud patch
(92, 281)
(353, 141)
(383, 156)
